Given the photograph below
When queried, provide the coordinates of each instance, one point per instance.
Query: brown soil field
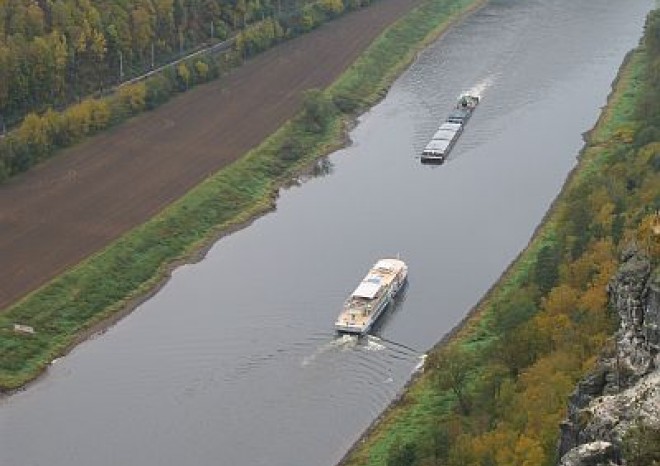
(73, 205)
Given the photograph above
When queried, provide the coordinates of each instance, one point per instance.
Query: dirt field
(73, 205)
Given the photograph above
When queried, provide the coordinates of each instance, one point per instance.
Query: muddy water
(234, 362)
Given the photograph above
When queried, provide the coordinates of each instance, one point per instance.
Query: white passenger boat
(371, 297)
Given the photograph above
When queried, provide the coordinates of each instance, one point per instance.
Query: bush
(641, 446)
(292, 149)
(402, 455)
(318, 109)
(346, 103)
(159, 91)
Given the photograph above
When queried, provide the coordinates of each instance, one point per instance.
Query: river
(234, 362)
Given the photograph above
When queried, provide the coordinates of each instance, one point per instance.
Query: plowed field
(78, 202)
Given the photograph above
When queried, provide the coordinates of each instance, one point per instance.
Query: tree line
(53, 53)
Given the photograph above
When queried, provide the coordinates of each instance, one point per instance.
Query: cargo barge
(443, 140)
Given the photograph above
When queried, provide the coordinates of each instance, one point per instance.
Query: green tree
(546, 268)
(402, 454)
(453, 366)
(318, 109)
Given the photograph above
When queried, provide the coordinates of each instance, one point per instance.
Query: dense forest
(495, 396)
(53, 51)
(59, 59)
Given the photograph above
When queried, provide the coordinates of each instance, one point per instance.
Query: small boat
(376, 290)
(445, 137)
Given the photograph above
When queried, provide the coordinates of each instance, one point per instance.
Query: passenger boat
(443, 140)
(370, 299)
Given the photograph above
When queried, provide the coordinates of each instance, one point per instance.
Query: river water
(234, 362)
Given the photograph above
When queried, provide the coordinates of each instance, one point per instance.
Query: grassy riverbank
(495, 390)
(113, 281)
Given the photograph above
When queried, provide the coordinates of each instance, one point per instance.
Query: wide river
(234, 362)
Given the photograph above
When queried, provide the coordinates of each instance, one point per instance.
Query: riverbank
(90, 296)
(494, 385)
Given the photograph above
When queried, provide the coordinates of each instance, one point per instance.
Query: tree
(439, 441)
(133, 96)
(183, 75)
(546, 272)
(402, 454)
(519, 347)
(201, 70)
(318, 109)
(453, 367)
(332, 7)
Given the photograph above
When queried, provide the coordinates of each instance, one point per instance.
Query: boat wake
(342, 343)
(374, 344)
(480, 88)
(368, 343)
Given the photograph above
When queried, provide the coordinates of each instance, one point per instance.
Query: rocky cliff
(624, 390)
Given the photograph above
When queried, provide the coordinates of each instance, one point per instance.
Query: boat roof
(368, 288)
(389, 264)
(377, 276)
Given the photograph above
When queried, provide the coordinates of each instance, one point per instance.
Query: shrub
(318, 109)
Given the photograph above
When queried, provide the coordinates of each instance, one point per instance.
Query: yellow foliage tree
(561, 299)
(133, 97)
(36, 133)
(202, 70)
(183, 73)
(648, 235)
(332, 7)
(528, 452)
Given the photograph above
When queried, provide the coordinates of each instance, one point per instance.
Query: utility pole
(121, 67)
(212, 31)
(152, 56)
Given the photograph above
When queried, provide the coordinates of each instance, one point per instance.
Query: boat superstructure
(449, 131)
(371, 297)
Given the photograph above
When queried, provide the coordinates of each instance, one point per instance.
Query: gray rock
(590, 454)
(624, 388)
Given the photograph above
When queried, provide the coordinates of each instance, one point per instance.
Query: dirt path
(75, 204)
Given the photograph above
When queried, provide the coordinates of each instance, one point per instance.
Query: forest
(496, 394)
(61, 60)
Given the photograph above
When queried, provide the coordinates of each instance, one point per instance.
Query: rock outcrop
(624, 389)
